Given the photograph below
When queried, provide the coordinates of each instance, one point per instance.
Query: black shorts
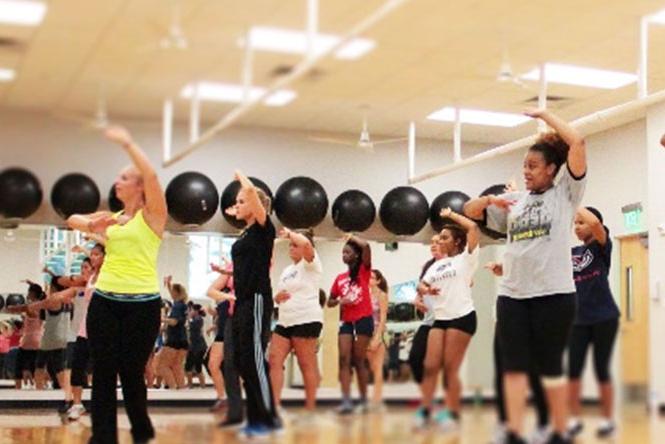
(361, 327)
(308, 330)
(418, 352)
(194, 361)
(534, 332)
(219, 336)
(178, 345)
(69, 355)
(26, 361)
(467, 323)
(52, 360)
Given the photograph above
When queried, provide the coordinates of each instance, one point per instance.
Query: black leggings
(121, 336)
(602, 336)
(251, 332)
(535, 385)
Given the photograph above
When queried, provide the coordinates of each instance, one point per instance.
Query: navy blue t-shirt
(197, 342)
(178, 332)
(591, 266)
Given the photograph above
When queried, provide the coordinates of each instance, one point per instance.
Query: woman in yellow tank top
(124, 314)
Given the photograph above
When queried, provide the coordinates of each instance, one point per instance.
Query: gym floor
(197, 425)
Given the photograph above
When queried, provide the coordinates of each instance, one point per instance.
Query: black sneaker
(231, 423)
(556, 438)
(512, 438)
(64, 408)
(606, 430)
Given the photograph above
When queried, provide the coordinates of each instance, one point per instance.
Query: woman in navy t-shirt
(597, 318)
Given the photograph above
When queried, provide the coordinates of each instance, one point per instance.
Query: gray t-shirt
(537, 261)
(56, 328)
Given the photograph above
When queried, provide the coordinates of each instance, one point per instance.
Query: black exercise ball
(14, 299)
(20, 193)
(404, 210)
(191, 198)
(454, 200)
(353, 210)
(494, 190)
(115, 204)
(229, 199)
(2, 302)
(301, 202)
(75, 193)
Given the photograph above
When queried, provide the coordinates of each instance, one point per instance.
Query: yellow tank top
(130, 265)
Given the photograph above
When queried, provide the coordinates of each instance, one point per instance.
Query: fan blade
(333, 140)
(386, 141)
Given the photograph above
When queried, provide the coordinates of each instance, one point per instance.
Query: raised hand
(119, 135)
(101, 223)
(446, 212)
(536, 113)
(502, 203)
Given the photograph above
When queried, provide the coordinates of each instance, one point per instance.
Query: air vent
(534, 99)
(10, 43)
(282, 70)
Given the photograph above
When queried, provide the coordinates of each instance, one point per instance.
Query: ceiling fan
(97, 121)
(364, 142)
(173, 36)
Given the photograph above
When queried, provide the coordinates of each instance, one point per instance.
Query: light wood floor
(190, 425)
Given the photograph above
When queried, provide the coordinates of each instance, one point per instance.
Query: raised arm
(474, 208)
(215, 290)
(577, 153)
(301, 241)
(93, 223)
(597, 228)
(366, 249)
(155, 211)
(253, 200)
(471, 228)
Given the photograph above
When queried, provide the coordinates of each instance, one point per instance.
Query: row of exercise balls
(192, 199)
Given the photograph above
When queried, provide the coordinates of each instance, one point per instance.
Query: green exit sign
(632, 218)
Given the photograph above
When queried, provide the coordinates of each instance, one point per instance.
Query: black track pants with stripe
(251, 333)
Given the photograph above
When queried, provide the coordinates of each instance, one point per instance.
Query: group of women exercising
(549, 300)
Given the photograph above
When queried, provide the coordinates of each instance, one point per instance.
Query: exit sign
(632, 217)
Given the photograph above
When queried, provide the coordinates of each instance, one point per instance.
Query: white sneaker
(377, 407)
(574, 427)
(75, 412)
(540, 435)
(445, 421)
(500, 434)
(420, 419)
(606, 429)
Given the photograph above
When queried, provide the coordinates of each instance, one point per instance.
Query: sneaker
(75, 412)
(575, 427)
(445, 421)
(421, 418)
(500, 434)
(512, 438)
(556, 438)
(231, 423)
(220, 404)
(65, 406)
(362, 407)
(345, 408)
(255, 432)
(377, 407)
(306, 419)
(606, 429)
(540, 435)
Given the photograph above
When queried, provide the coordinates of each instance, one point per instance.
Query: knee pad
(554, 381)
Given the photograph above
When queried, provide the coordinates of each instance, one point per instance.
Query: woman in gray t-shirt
(536, 306)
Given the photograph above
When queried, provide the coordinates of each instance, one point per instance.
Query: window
(55, 251)
(204, 249)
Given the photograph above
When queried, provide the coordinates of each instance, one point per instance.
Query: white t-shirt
(453, 276)
(302, 281)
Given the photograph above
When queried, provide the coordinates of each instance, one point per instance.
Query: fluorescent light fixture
(7, 75)
(581, 76)
(231, 93)
(479, 117)
(658, 17)
(22, 12)
(289, 41)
